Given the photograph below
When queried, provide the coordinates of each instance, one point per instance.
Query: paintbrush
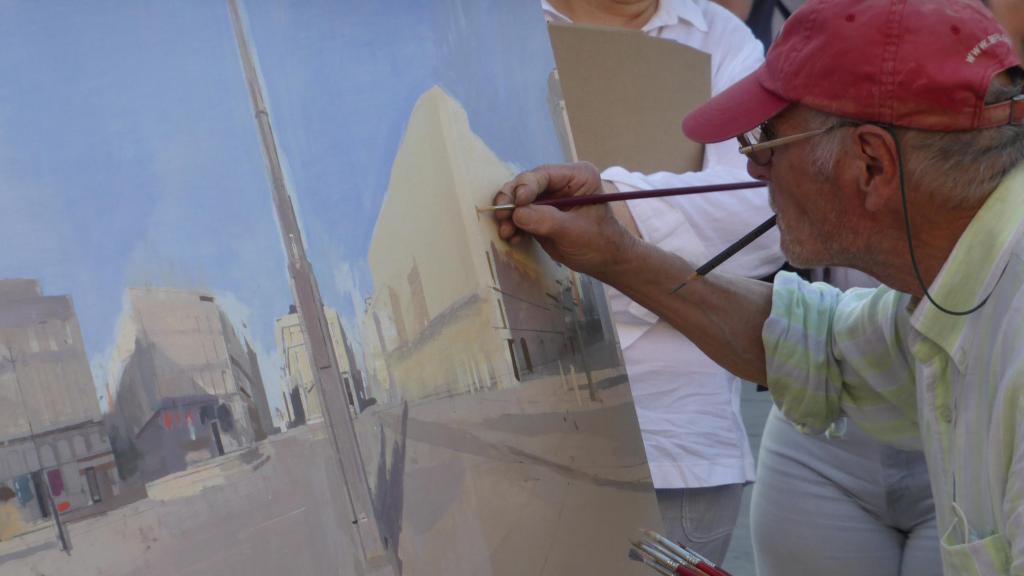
(636, 556)
(724, 255)
(659, 557)
(572, 201)
(684, 554)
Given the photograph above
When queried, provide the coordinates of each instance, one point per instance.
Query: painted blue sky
(129, 155)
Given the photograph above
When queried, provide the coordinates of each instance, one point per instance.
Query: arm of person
(621, 211)
(722, 314)
(822, 353)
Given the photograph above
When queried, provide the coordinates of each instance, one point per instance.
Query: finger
(527, 186)
(571, 179)
(541, 221)
(504, 196)
(506, 229)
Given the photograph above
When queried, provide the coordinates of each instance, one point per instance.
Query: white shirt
(689, 407)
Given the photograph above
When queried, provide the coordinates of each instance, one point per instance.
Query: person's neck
(615, 13)
(936, 233)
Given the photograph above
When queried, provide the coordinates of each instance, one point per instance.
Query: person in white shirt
(688, 407)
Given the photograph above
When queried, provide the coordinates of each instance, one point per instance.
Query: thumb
(538, 220)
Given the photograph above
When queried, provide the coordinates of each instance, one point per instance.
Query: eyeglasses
(759, 144)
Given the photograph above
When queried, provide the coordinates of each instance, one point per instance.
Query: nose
(759, 172)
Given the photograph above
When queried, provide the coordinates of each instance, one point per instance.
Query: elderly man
(892, 137)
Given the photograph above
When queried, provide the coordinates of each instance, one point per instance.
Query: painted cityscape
(251, 321)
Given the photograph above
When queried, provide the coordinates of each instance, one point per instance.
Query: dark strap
(786, 12)
(762, 14)
(760, 20)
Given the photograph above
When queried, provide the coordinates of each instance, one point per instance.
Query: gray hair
(960, 169)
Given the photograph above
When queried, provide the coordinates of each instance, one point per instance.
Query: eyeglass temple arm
(780, 141)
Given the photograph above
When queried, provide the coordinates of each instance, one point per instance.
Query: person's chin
(799, 256)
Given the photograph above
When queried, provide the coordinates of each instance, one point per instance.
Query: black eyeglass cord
(910, 242)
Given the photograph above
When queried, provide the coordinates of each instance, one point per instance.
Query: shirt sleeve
(830, 353)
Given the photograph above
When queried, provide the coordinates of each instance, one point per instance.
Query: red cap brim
(740, 108)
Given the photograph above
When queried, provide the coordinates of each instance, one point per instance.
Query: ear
(878, 166)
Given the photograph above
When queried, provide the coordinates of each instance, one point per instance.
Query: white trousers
(701, 518)
(844, 506)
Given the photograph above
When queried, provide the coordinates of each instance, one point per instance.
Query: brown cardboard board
(626, 94)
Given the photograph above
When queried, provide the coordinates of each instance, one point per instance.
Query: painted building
(52, 435)
(458, 309)
(298, 371)
(187, 388)
(259, 392)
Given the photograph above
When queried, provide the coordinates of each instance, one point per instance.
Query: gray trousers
(701, 518)
(844, 506)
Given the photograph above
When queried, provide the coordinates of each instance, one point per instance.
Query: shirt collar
(973, 268)
(669, 12)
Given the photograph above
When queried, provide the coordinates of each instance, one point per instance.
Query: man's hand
(722, 315)
(587, 239)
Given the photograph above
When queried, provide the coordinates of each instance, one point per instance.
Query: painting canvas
(251, 321)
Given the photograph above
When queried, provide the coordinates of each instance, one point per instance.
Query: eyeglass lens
(756, 136)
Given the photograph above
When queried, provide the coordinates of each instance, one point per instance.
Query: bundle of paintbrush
(670, 559)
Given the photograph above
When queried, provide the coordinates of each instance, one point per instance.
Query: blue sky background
(129, 155)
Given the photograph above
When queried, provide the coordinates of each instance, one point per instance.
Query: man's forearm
(722, 314)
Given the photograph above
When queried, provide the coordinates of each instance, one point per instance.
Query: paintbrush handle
(736, 246)
(684, 570)
(573, 201)
(724, 255)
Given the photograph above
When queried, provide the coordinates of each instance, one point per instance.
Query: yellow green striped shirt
(917, 377)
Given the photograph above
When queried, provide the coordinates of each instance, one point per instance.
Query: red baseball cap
(923, 64)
